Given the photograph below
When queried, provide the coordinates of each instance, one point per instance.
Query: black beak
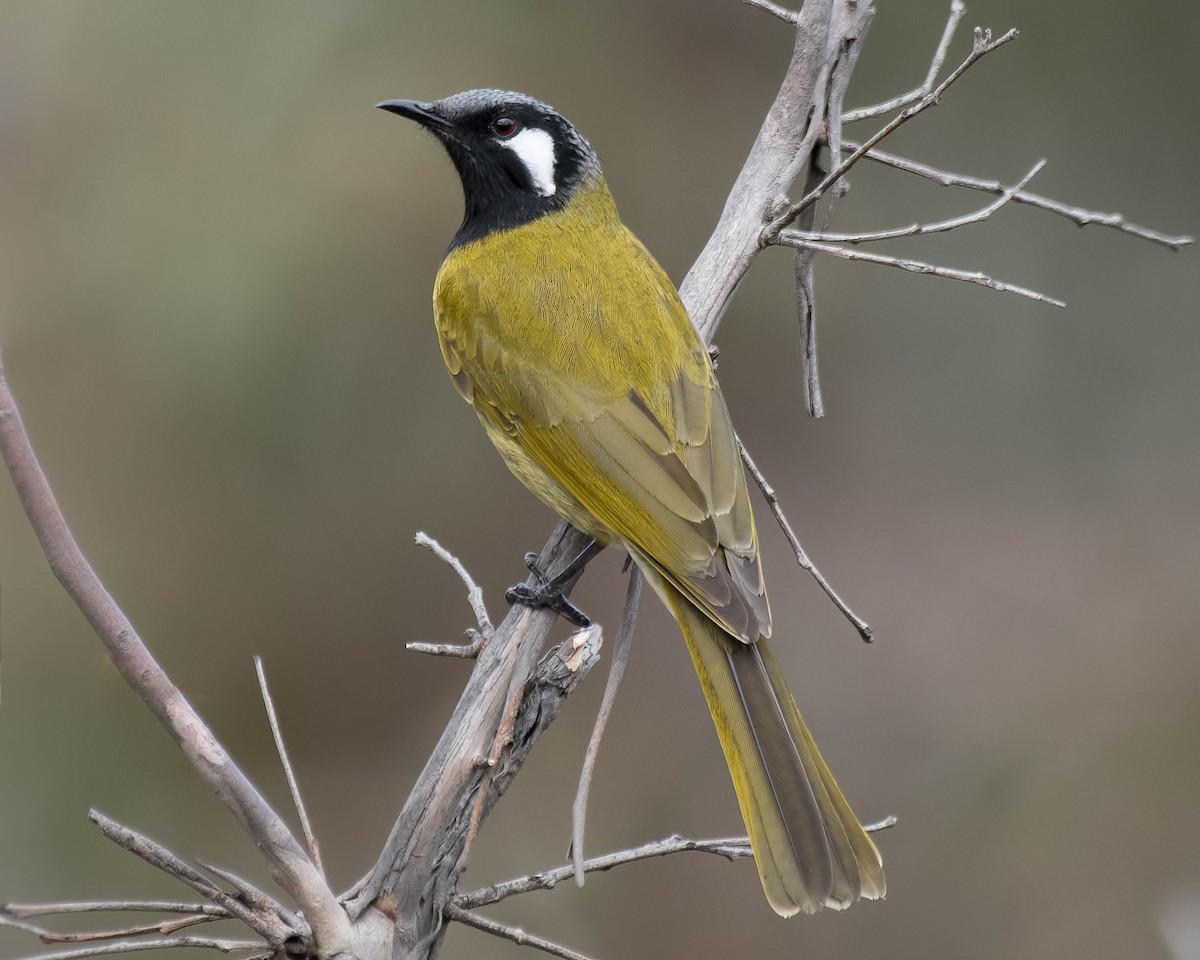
(423, 113)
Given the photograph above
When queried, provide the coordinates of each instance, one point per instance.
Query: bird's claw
(546, 593)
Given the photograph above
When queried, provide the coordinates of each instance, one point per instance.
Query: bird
(572, 344)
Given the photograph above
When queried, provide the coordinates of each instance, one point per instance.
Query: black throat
(499, 194)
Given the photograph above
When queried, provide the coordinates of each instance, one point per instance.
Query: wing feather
(631, 425)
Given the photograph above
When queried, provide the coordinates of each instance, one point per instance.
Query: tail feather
(810, 849)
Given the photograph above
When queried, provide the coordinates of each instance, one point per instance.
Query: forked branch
(289, 864)
(1077, 215)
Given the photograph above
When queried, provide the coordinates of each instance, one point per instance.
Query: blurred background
(214, 301)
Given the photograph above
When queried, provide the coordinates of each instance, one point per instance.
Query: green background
(214, 298)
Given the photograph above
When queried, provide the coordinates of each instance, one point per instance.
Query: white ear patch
(536, 149)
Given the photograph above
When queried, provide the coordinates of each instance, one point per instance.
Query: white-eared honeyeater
(573, 347)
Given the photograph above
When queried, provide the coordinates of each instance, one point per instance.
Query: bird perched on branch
(572, 345)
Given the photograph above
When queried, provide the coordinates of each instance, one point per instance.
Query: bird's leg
(550, 592)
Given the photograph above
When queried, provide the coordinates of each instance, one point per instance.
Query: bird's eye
(504, 127)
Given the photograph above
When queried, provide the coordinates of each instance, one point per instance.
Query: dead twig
(255, 899)
(474, 593)
(154, 853)
(289, 864)
(774, 9)
(929, 269)
(922, 229)
(791, 130)
(515, 934)
(24, 911)
(163, 927)
(463, 651)
(620, 656)
(1077, 215)
(806, 301)
(983, 45)
(731, 848)
(861, 625)
(310, 840)
(957, 9)
(133, 946)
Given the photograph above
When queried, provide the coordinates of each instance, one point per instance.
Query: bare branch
(806, 313)
(254, 898)
(463, 651)
(839, 83)
(983, 45)
(957, 9)
(1077, 215)
(924, 229)
(806, 301)
(918, 266)
(620, 656)
(775, 10)
(23, 911)
(155, 854)
(861, 625)
(133, 946)
(310, 840)
(515, 934)
(731, 848)
(790, 132)
(427, 839)
(163, 927)
(289, 865)
(22, 925)
(474, 593)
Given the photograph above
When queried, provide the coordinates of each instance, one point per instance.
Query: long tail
(810, 849)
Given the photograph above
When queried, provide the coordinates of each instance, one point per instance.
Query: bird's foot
(548, 593)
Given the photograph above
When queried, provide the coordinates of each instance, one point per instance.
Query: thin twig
(436, 812)
(983, 45)
(289, 864)
(163, 927)
(620, 656)
(256, 899)
(474, 593)
(919, 266)
(463, 651)
(1077, 215)
(923, 229)
(22, 925)
(132, 946)
(957, 9)
(806, 314)
(731, 848)
(806, 303)
(24, 911)
(846, 60)
(849, 47)
(515, 934)
(310, 840)
(775, 10)
(861, 625)
(155, 854)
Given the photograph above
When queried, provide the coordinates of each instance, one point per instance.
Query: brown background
(216, 266)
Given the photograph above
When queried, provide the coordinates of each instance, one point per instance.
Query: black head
(518, 158)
